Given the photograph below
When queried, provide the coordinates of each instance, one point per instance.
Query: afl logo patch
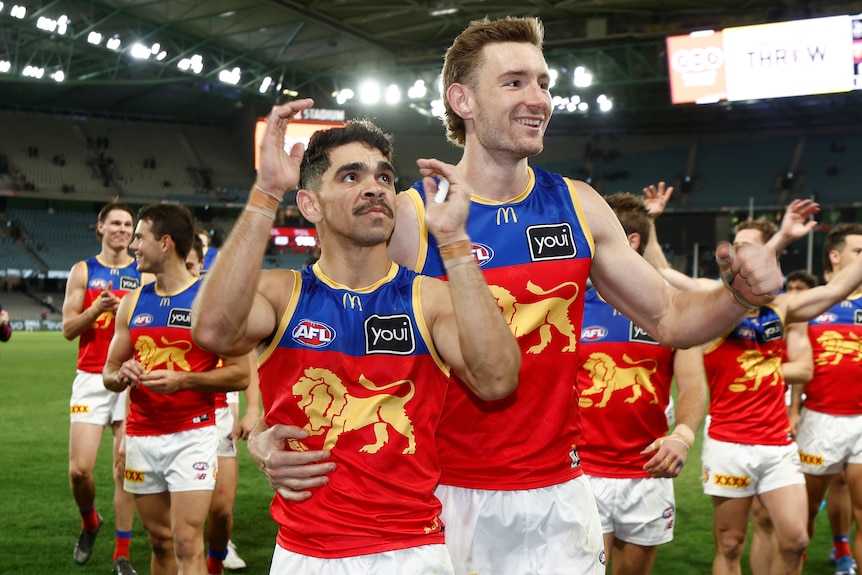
(313, 333)
(483, 253)
(594, 333)
(142, 319)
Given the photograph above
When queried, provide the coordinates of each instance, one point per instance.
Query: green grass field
(39, 521)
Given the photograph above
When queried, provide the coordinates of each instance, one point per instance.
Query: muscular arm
(798, 369)
(810, 303)
(76, 319)
(465, 321)
(690, 378)
(676, 318)
(244, 426)
(228, 317)
(231, 376)
(121, 367)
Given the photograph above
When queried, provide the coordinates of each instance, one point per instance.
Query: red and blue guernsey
(93, 343)
(358, 370)
(160, 330)
(535, 252)
(625, 376)
(836, 342)
(746, 384)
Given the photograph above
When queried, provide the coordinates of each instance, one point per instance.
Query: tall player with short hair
(93, 292)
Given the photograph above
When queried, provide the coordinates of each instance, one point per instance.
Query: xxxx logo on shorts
(810, 459)
(79, 409)
(134, 476)
(730, 480)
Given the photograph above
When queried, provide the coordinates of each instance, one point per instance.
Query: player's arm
(121, 369)
(231, 376)
(798, 369)
(228, 318)
(810, 303)
(672, 450)
(655, 200)
(465, 321)
(795, 224)
(76, 319)
(291, 473)
(251, 416)
(674, 317)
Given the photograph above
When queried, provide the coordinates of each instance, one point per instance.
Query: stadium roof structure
(175, 59)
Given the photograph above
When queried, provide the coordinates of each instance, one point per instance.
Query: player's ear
(309, 204)
(460, 99)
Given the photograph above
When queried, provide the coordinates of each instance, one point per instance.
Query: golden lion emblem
(608, 378)
(331, 409)
(757, 368)
(551, 312)
(104, 321)
(171, 354)
(836, 347)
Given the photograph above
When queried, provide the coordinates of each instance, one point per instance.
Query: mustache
(368, 206)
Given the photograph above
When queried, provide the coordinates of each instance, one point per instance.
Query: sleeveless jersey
(535, 252)
(625, 376)
(160, 330)
(836, 342)
(357, 369)
(93, 343)
(746, 384)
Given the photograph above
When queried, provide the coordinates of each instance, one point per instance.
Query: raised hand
(656, 198)
(447, 220)
(278, 172)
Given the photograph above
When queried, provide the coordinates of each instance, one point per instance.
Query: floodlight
(94, 38)
(369, 92)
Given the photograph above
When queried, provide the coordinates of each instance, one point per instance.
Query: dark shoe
(84, 546)
(122, 566)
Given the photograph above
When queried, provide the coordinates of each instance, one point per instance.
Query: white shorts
(550, 530)
(828, 442)
(92, 402)
(735, 470)
(174, 462)
(422, 560)
(232, 397)
(224, 425)
(640, 511)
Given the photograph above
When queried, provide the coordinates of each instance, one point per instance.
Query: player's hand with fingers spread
(656, 198)
(279, 171)
(291, 473)
(447, 220)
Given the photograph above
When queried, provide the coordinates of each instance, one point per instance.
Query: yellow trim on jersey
(422, 251)
(285, 318)
(531, 183)
(393, 269)
(109, 266)
(579, 210)
(135, 295)
(181, 290)
(423, 327)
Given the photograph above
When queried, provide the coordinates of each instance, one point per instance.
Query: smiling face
(147, 248)
(116, 229)
(510, 106)
(356, 196)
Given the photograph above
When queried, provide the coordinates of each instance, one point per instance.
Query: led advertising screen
(782, 59)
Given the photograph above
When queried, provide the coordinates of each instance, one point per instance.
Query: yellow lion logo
(608, 377)
(757, 367)
(524, 318)
(836, 347)
(330, 408)
(173, 353)
(104, 321)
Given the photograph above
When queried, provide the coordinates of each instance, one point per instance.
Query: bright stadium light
(553, 74)
(5, 66)
(417, 90)
(264, 85)
(94, 38)
(369, 92)
(58, 76)
(393, 94)
(18, 11)
(139, 51)
(113, 43)
(582, 77)
(230, 76)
